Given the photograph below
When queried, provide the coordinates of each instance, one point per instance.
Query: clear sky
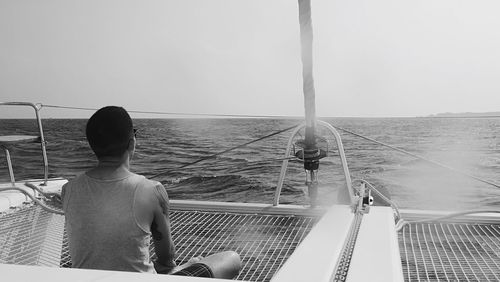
(372, 57)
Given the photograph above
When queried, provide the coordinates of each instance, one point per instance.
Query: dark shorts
(196, 269)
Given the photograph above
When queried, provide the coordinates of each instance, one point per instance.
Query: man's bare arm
(161, 233)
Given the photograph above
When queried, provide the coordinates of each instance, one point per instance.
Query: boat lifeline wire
(168, 113)
(264, 116)
(402, 223)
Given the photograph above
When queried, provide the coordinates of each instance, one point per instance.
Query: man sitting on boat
(111, 212)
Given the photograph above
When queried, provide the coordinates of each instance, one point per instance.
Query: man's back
(103, 229)
(111, 212)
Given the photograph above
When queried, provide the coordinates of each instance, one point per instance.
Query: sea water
(250, 173)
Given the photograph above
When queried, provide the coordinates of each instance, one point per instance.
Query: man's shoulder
(147, 183)
(70, 187)
(149, 186)
(151, 191)
(78, 178)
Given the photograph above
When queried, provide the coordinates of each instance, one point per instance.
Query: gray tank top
(103, 231)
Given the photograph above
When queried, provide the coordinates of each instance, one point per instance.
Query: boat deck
(450, 251)
(468, 251)
(32, 236)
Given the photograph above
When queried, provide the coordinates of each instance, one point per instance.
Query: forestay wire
(187, 114)
(227, 150)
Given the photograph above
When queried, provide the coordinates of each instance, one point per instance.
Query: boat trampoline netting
(450, 252)
(32, 236)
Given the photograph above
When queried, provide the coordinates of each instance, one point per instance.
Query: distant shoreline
(466, 115)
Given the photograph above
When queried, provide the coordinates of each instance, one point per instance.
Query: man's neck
(110, 168)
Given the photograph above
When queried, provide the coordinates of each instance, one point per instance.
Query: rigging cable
(188, 114)
(227, 150)
(167, 113)
(266, 116)
(421, 158)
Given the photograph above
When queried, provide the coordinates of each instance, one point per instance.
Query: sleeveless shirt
(102, 228)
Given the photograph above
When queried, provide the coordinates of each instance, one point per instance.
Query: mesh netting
(32, 236)
(450, 252)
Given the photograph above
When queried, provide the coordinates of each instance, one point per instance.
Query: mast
(310, 154)
(306, 38)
